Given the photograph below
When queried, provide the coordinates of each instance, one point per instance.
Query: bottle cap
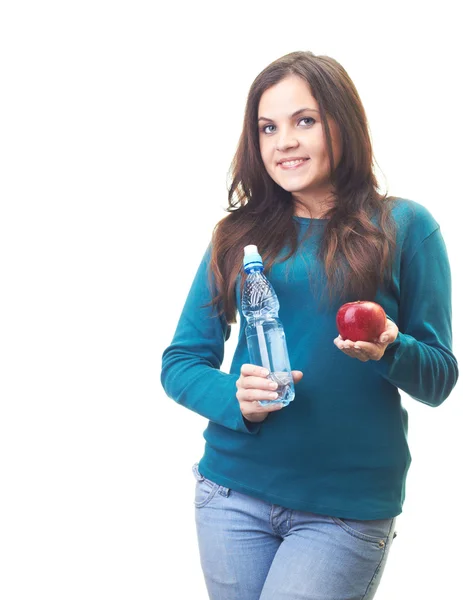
(251, 249)
(252, 258)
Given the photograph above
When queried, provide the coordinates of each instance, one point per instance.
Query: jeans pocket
(205, 489)
(376, 531)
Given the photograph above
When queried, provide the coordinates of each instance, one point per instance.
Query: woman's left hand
(369, 350)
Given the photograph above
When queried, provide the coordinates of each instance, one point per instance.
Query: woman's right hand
(252, 386)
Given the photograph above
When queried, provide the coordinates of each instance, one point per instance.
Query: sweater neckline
(309, 220)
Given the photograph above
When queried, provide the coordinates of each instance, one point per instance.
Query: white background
(119, 122)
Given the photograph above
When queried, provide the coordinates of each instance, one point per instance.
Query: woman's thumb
(297, 376)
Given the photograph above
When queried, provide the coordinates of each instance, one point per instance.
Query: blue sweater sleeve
(420, 361)
(191, 372)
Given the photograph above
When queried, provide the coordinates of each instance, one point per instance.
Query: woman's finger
(247, 370)
(259, 383)
(251, 395)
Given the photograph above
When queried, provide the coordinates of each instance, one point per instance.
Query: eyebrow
(298, 112)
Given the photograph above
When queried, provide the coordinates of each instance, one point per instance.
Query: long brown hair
(359, 239)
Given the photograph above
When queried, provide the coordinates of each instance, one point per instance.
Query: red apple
(361, 321)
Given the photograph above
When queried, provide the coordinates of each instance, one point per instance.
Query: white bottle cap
(251, 249)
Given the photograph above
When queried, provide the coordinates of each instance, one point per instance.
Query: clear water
(274, 358)
(265, 335)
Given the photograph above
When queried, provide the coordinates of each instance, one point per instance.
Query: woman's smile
(289, 164)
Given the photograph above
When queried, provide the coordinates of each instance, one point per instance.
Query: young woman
(300, 502)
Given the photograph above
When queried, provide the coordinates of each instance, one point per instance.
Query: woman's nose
(286, 140)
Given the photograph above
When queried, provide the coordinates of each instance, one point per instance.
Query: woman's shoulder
(415, 224)
(410, 215)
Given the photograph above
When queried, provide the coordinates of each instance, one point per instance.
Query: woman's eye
(307, 119)
(265, 127)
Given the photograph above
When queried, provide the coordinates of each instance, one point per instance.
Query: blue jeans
(253, 550)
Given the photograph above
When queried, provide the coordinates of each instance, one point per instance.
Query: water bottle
(264, 330)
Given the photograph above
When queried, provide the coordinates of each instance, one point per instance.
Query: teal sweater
(340, 448)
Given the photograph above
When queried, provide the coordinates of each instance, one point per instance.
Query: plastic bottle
(264, 331)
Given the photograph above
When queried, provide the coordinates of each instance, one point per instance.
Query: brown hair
(356, 252)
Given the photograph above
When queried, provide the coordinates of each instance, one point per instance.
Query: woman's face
(292, 142)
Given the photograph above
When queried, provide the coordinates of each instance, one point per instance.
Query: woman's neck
(315, 208)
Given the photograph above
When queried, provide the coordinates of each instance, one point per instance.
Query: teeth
(290, 163)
